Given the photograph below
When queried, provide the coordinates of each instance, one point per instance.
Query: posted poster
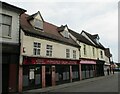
(31, 75)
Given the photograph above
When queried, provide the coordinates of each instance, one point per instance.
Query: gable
(87, 37)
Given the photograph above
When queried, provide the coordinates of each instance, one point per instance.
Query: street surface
(107, 83)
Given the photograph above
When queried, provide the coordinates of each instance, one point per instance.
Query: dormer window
(64, 31)
(38, 24)
(66, 34)
(36, 21)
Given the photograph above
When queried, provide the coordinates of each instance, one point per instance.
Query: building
(49, 56)
(88, 55)
(107, 60)
(99, 52)
(9, 39)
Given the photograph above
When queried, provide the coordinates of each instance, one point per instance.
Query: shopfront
(42, 72)
(87, 69)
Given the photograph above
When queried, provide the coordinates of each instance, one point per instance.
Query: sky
(94, 16)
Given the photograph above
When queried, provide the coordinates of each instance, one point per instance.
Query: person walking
(113, 70)
(108, 71)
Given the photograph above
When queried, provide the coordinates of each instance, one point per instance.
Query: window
(66, 34)
(74, 54)
(101, 53)
(67, 53)
(38, 24)
(49, 50)
(36, 48)
(84, 49)
(6, 25)
(93, 52)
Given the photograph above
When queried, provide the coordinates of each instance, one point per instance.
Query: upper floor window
(38, 24)
(74, 54)
(49, 49)
(6, 25)
(101, 54)
(36, 48)
(93, 51)
(67, 53)
(84, 49)
(66, 34)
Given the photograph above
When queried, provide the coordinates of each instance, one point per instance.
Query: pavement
(82, 83)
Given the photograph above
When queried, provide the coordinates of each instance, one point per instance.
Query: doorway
(48, 76)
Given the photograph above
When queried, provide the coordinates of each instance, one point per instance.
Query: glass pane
(38, 24)
(5, 30)
(6, 19)
(35, 44)
(35, 51)
(38, 51)
(38, 45)
(37, 79)
(25, 80)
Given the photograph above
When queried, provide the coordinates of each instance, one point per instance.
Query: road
(104, 84)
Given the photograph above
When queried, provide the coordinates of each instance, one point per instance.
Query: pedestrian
(113, 70)
(107, 71)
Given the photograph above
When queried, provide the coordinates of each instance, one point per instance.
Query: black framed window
(36, 48)
(49, 49)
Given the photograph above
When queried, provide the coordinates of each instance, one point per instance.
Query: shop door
(31, 77)
(35, 77)
(48, 76)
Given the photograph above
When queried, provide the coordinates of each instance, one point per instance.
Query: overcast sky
(90, 15)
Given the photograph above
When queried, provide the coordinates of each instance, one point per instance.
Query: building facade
(98, 51)
(9, 39)
(49, 56)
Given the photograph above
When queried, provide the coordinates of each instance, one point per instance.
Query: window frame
(84, 49)
(49, 50)
(74, 54)
(101, 54)
(36, 48)
(40, 26)
(6, 24)
(67, 53)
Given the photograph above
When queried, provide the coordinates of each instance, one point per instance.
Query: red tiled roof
(50, 31)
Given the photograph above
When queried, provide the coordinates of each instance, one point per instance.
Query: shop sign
(47, 61)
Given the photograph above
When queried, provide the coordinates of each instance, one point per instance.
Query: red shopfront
(42, 72)
(88, 68)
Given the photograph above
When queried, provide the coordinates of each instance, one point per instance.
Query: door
(31, 77)
(48, 76)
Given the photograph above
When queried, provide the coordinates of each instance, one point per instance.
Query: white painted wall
(59, 50)
(89, 51)
(14, 29)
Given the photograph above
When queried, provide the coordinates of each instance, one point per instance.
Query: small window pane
(5, 30)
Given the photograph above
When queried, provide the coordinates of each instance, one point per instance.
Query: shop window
(62, 73)
(25, 76)
(49, 49)
(75, 73)
(67, 53)
(5, 25)
(74, 54)
(36, 48)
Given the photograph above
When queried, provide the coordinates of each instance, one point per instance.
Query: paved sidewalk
(82, 82)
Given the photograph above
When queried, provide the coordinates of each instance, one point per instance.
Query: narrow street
(107, 83)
